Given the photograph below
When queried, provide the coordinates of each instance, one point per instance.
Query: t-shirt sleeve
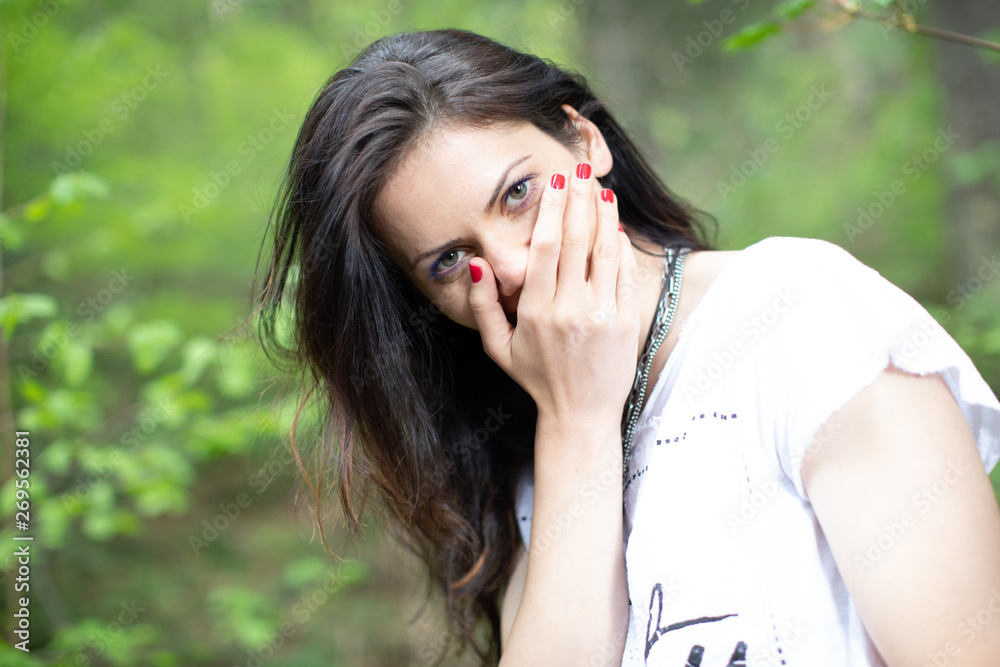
(842, 324)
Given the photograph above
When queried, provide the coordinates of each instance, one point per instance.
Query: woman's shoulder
(783, 294)
(806, 264)
(795, 251)
(809, 304)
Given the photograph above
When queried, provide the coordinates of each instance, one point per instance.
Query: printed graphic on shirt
(653, 633)
(681, 435)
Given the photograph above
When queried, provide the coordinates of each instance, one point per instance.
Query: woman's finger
(576, 234)
(606, 255)
(490, 318)
(539, 286)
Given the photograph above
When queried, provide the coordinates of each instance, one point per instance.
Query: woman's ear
(596, 149)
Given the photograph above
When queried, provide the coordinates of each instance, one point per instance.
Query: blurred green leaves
(150, 343)
(66, 194)
(788, 12)
(18, 308)
(751, 34)
(783, 12)
(146, 419)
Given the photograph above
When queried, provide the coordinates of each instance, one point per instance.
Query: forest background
(142, 148)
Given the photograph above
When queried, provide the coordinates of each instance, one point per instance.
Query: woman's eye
(520, 193)
(449, 259)
(445, 265)
(519, 197)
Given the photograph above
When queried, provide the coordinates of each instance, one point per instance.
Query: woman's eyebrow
(433, 251)
(501, 181)
(489, 207)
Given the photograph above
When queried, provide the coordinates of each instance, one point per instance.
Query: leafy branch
(889, 14)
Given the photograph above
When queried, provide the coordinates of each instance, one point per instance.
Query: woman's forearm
(575, 600)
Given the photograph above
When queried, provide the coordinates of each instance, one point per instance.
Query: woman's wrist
(585, 441)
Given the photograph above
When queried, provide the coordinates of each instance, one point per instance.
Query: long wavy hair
(413, 408)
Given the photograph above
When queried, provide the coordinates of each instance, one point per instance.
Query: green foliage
(789, 11)
(18, 308)
(137, 181)
(143, 146)
(783, 12)
(751, 34)
(792, 9)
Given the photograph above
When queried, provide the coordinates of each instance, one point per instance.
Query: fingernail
(475, 272)
(558, 181)
(620, 227)
(608, 196)
(583, 170)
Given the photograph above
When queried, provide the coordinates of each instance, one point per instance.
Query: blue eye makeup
(526, 198)
(522, 187)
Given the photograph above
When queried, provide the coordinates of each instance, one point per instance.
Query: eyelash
(523, 204)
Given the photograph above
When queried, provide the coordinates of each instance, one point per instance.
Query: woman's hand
(575, 344)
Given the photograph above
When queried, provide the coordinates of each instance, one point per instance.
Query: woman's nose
(510, 266)
(509, 259)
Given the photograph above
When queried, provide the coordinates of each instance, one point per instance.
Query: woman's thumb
(487, 311)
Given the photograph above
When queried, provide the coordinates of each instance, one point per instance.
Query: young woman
(615, 443)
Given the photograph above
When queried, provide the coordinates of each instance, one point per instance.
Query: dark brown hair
(414, 408)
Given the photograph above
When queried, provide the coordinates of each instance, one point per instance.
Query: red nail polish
(475, 272)
(558, 181)
(583, 170)
(608, 196)
(620, 227)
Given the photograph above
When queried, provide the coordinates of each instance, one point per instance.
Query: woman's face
(469, 192)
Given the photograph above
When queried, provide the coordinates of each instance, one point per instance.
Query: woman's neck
(701, 270)
(650, 283)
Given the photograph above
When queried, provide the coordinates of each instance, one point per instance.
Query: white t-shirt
(726, 562)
